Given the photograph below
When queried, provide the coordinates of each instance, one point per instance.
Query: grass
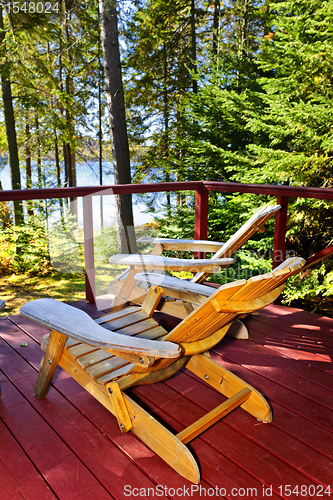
(18, 289)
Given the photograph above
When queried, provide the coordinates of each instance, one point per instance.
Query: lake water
(87, 175)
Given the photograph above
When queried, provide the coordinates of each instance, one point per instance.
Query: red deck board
(10, 488)
(303, 337)
(288, 449)
(54, 460)
(285, 356)
(18, 477)
(274, 382)
(275, 372)
(238, 452)
(296, 317)
(311, 335)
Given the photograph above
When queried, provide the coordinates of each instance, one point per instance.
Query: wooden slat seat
(100, 364)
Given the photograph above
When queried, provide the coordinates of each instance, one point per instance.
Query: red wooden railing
(201, 188)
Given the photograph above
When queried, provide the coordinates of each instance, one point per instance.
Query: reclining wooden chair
(255, 224)
(129, 348)
(128, 289)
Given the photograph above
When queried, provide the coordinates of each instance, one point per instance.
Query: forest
(233, 91)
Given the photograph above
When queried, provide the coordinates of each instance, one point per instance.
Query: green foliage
(180, 224)
(105, 243)
(305, 287)
(5, 216)
(54, 65)
(295, 111)
(65, 245)
(225, 216)
(248, 263)
(24, 249)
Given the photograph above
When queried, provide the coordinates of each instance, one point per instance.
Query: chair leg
(50, 363)
(146, 427)
(119, 405)
(125, 290)
(238, 330)
(168, 446)
(229, 384)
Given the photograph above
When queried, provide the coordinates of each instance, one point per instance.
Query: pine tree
(292, 120)
(161, 64)
(10, 125)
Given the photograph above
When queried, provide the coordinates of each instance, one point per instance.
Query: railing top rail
(73, 192)
(273, 190)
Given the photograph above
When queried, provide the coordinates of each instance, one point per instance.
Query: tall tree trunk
(166, 122)
(39, 159)
(5, 219)
(193, 47)
(28, 171)
(58, 169)
(70, 151)
(61, 85)
(100, 143)
(118, 129)
(65, 201)
(216, 26)
(242, 37)
(11, 132)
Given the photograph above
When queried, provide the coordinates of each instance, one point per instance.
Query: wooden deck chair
(256, 223)
(2, 304)
(126, 288)
(128, 348)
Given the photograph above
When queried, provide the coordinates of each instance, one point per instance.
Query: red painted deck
(69, 447)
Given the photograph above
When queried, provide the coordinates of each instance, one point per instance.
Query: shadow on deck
(68, 446)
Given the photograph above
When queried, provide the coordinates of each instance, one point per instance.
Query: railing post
(88, 235)
(280, 231)
(201, 217)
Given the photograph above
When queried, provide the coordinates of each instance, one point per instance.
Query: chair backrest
(232, 300)
(254, 224)
(226, 304)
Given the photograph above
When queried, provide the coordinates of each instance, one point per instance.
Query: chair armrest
(158, 262)
(185, 245)
(170, 283)
(77, 324)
